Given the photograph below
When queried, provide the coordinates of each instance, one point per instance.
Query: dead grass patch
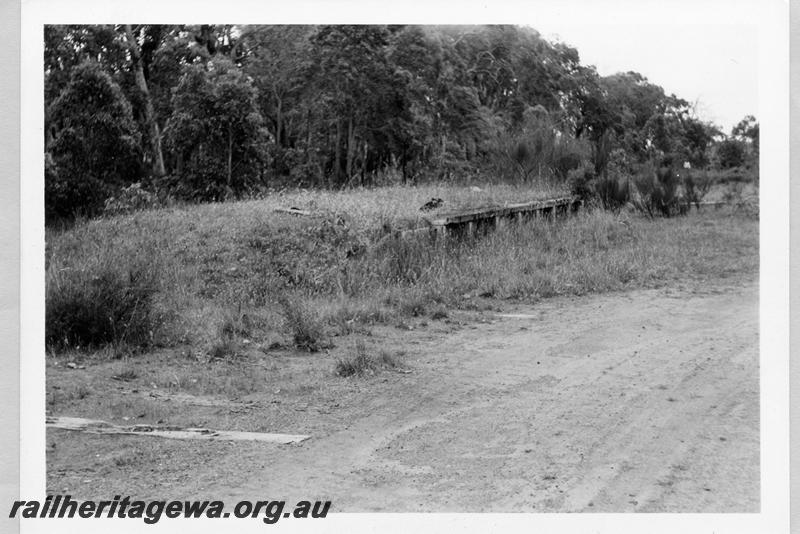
(362, 361)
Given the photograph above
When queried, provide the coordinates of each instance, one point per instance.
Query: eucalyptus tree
(95, 145)
(747, 130)
(352, 75)
(216, 131)
(153, 130)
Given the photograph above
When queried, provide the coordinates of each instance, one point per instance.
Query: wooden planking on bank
(469, 221)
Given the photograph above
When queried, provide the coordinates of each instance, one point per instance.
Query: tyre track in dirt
(642, 401)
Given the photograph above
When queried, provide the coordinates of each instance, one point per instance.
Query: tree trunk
(149, 112)
(230, 156)
(278, 119)
(350, 148)
(444, 153)
(403, 165)
(364, 163)
(337, 166)
(308, 136)
(320, 175)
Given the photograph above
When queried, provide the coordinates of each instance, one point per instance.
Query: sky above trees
(714, 65)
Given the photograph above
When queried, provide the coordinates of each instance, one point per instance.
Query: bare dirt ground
(639, 401)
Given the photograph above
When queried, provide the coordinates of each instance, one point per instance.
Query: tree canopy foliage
(94, 143)
(214, 111)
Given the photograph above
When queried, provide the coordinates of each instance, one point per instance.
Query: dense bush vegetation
(109, 304)
(212, 112)
(93, 144)
(216, 133)
(143, 116)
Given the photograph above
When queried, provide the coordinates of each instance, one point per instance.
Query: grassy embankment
(223, 278)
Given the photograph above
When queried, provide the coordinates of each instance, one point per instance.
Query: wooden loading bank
(471, 222)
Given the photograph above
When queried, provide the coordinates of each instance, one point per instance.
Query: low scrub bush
(656, 188)
(110, 304)
(613, 192)
(580, 182)
(746, 205)
(67, 196)
(534, 149)
(362, 362)
(224, 349)
(614, 188)
(357, 365)
(131, 198)
(696, 186)
(742, 174)
(308, 332)
(659, 192)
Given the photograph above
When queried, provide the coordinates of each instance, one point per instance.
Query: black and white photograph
(295, 268)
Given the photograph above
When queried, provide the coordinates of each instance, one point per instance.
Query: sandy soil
(646, 401)
(641, 401)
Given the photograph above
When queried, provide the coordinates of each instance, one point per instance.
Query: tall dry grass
(194, 269)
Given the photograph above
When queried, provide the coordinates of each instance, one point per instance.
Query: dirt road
(639, 401)
(643, 401)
